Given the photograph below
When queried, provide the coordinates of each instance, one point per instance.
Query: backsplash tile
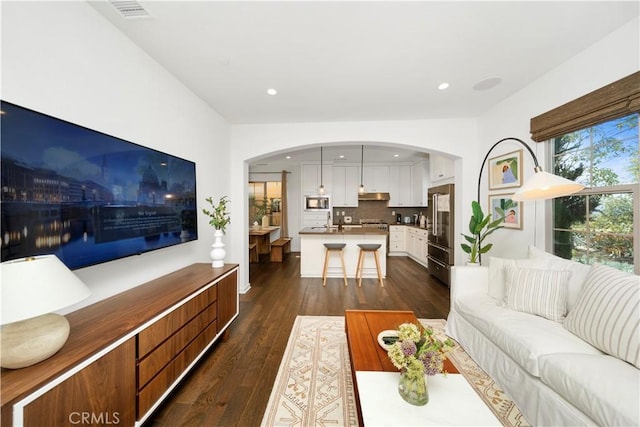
(369, 209)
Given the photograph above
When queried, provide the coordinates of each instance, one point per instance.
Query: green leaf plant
(219, 216)
(481, 226)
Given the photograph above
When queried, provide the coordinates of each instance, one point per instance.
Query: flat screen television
(88, 197)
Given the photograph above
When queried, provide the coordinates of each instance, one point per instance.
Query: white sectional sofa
(582, 369)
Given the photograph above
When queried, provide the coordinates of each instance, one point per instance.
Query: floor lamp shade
(32, 288)
(544, 185)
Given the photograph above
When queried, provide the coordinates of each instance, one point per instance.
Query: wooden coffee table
(452, 400)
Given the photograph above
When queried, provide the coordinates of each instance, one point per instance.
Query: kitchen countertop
(334, 231)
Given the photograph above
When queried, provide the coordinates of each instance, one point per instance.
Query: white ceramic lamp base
(30, 341)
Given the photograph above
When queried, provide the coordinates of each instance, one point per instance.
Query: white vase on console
(217, 253)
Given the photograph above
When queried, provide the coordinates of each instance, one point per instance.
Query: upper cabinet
(400, 186)
(442, 168)
(376, 179)
(420, 184)
(345, 183)
(311, 178)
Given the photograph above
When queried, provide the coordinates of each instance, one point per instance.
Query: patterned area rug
(314, 385)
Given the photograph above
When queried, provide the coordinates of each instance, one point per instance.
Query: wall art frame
(505, 171)
(513, 214)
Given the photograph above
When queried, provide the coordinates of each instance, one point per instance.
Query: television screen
(88, 197)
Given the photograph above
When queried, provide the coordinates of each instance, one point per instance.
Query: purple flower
(408, 348)
(432, 361)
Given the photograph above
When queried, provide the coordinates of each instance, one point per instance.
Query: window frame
(633, 189)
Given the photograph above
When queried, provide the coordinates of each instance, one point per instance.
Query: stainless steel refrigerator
(441, 215)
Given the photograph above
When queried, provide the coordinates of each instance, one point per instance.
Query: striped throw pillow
(607, 314)
(539, 292)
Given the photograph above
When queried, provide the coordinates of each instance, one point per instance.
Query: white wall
(608, 60)
(65, 60)
(456, 137)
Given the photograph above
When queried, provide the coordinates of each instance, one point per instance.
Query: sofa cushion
(603, 387)
(497, 270)
(607, 314)
(578, 271)
(524, 337)
(539, 292)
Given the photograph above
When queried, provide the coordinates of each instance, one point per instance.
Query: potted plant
(219, 215)
(480, 226)
(261, 211)
(219, 219)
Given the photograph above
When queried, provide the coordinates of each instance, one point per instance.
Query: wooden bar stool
(364, 248)
(333, 247)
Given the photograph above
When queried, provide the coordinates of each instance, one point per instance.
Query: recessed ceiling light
(272, 91)
(488, 83)
(443, 86)
(288, 157)
(396, 155)
(342, 156)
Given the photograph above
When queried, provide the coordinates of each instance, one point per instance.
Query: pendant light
(361, 189)
(321, 188)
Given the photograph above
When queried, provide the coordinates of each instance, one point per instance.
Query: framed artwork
(503, 203)
(505, 171)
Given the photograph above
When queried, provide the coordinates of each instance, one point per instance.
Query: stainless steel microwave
(317, 203)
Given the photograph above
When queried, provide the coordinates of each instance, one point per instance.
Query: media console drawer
(154, 335)
(150, 394)
(154, 361)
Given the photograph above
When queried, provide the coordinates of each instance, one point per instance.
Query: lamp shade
(37, 285)
(544, 185)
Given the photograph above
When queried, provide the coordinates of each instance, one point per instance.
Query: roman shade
(614, 100)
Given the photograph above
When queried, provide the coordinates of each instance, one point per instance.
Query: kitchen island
(312, 251)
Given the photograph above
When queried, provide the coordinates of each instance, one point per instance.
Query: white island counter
(312, 250)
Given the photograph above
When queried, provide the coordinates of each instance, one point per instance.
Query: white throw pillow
(578, 271)
(497, 269)
(607, 314)
(539, 292)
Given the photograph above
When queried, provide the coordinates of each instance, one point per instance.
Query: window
(265, 198)
(597, 224)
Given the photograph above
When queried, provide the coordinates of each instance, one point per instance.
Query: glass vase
(413, 388)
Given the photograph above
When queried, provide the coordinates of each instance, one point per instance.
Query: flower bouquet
(417, 352)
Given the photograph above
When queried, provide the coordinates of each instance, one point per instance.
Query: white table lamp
(32, 288)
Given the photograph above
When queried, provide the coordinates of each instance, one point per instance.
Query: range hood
(374, 196)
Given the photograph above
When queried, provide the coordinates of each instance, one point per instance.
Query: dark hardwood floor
(231, 385)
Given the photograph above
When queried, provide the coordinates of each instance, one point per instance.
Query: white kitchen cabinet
(345, 183)
(420, 184)
(400, 186)
(397, 240)
(417, 239)
(376, 179)
(442, 168)
(311, 177)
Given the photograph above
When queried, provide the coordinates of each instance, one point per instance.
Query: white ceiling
(362, 60)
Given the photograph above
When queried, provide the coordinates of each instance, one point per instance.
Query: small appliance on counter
(407, 220)
(398, 219)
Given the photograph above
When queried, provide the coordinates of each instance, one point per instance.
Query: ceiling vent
(130, 9)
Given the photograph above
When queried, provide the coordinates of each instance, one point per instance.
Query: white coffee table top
(452, 402)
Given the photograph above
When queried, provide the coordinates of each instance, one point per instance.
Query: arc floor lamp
(541, 186)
